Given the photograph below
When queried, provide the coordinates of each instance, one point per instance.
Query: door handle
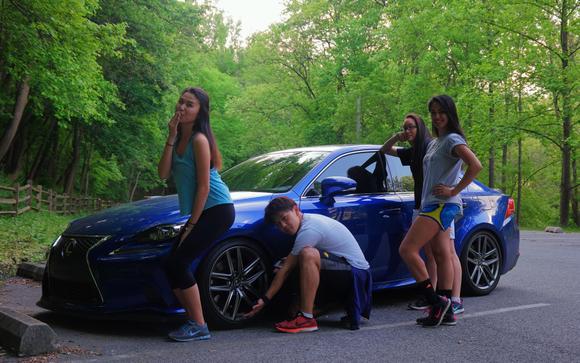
(398, 209)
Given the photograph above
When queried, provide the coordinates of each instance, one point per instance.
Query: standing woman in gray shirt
(440, 204)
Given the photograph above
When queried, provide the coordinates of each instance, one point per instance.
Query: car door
(400, 182)
(374, 218)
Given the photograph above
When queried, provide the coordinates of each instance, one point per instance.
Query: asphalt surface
(532, 316)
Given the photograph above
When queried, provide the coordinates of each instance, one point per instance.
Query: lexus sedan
(110, 264)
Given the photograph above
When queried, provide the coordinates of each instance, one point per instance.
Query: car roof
(329, 148)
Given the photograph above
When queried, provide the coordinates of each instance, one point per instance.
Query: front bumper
(82, 278)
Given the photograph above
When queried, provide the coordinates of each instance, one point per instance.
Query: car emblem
(69, 247)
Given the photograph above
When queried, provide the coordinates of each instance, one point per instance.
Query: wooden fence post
(16, 198)
(29, 194)
(50, 200)
(40, 191)
(39, 198)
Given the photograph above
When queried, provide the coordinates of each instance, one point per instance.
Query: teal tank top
(184, 175)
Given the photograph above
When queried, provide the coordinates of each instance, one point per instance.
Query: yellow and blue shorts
(443, 213)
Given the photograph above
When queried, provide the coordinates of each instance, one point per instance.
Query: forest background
(87, 87)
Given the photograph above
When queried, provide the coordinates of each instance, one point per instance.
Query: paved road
(533, 315)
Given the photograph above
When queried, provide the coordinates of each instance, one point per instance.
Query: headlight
(160, 233)
(151, 240)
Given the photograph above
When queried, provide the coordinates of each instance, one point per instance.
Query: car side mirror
(335, 185)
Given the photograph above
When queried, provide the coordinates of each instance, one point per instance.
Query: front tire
(481, 263)
(233, 277)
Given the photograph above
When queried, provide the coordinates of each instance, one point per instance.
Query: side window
(400, 178)
(341, 166)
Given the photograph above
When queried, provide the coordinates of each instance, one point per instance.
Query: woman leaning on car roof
(440, 204)
(192, 157)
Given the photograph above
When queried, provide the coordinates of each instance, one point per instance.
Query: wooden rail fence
(20, 199)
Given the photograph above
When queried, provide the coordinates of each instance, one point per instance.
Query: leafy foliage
(109, 73)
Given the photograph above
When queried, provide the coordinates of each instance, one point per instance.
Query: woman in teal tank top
(192, 158)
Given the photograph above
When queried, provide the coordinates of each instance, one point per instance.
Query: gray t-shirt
(329, 235)
(440, 166)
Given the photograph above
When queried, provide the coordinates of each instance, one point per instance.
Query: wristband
(265, 299)
(168, 144)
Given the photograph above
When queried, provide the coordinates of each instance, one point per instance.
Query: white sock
(307, 315)
(456, 299)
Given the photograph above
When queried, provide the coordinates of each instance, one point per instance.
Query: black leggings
(212, 223)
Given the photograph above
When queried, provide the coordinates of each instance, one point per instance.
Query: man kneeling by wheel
(328, 259)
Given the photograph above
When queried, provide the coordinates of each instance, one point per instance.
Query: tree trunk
(504, 148)
(491, 147)
(135, 186)
(504, 157)
(491, 167)
(42, 153)
(14, 157)
(54, 148)
(21, 102)
(519, 192)
(565, 187)
(575, 214)
(14, 164)
(86, 171)
(358, 120)
(76, 153)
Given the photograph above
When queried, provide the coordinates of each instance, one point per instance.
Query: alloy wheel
(483, 261)
(237, 279)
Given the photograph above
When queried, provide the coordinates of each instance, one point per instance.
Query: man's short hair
(276, 206)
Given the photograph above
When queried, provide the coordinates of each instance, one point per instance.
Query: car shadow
(152, 326)
(106, 326)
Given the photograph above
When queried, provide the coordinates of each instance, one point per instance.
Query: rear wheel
(233, 276)
(481, 263)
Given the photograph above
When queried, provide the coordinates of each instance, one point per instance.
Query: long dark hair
(202, 124)
(448, 106)
(421, 137)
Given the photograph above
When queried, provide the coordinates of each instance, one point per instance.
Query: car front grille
(70, 277)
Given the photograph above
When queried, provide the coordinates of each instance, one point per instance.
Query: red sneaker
(299, 324)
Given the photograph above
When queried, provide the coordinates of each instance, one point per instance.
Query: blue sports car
(109, 264)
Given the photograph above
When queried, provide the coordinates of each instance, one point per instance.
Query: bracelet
(168, 144)
(265, 299)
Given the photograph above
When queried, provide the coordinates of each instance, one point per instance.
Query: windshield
(276, 172)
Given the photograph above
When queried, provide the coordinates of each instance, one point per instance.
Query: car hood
(131, 218)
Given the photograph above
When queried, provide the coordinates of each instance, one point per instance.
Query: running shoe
(457, 307)
(419, 304)
(436, 313)
(190, 331)
(449, 318)
(299, 324)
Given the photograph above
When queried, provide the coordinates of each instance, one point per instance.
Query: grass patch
(26, 238)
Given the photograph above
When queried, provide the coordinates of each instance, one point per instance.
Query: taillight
(511, 208)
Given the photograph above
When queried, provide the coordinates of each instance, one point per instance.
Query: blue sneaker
(190, 331)
(457, 307)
